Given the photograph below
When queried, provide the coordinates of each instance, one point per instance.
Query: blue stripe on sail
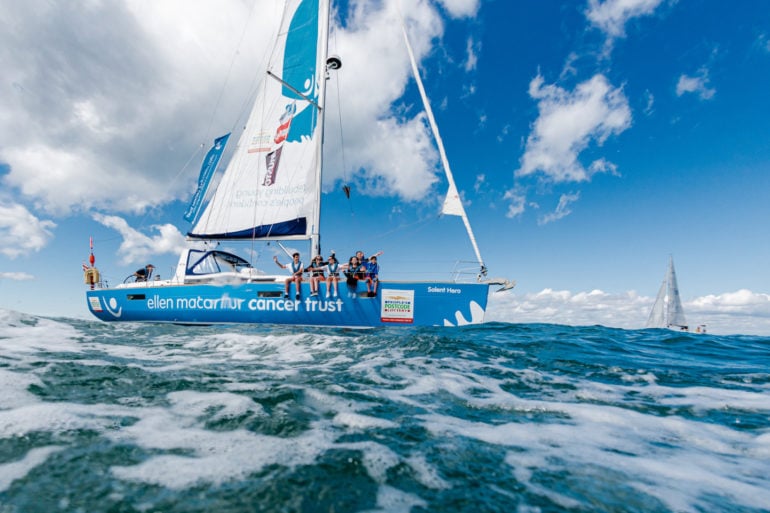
(207, 171)
(283, 229)
(299, 66)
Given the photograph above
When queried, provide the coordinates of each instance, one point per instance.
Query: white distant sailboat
(667, 311)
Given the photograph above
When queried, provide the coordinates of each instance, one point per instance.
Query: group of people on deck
(357, 268)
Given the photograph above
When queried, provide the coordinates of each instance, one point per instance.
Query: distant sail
(667, 311)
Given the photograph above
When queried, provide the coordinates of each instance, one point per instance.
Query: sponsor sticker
(397, 306)
(96, 305)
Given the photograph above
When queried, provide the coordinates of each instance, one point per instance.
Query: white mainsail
(667, 311)
(271, 187)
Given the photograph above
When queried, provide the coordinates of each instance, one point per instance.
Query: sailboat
(271, 191)
(667, 311)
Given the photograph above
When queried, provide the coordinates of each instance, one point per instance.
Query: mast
(452, 204)
(323, 29)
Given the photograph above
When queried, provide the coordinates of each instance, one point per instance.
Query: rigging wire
(197, 152)
(346, 186)
(229, 71)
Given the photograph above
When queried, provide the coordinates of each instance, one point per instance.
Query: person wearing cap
(144, 273)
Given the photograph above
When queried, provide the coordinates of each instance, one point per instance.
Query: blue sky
(590, 140)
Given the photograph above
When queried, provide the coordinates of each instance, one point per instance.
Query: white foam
(426, 474)
(14, 386)
(392, 500)
(225, 405)
(24, 334)
(58, 418)
(361, 422)
(10, 472)
(377, 458)
(679, 461)
(215, 457)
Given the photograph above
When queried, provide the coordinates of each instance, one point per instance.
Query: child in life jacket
(372, 276)
(316, 270)
(334, 275)
(296, 273)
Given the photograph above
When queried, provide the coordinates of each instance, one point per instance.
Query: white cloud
(740, 302)
(16, 276)
(648, 109)
(137, 247)
(743, 312)
(75, 179)
(611, 16)
(125, 119)
(627, 310)
(461, 8)
(503, 133)
(568, 122)
(472, 59)
(115, 97)
(517, 202)
(481, 181)
(698, 84)
(562, 209)
(22, 232)
(388, 147)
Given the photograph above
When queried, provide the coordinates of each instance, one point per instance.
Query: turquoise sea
(498, 417)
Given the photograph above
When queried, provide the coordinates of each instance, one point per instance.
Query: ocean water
(498, 417)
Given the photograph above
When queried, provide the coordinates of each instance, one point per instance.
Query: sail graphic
(270, 188)
(207, 171)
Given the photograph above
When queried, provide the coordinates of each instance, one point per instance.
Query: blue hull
(396, 303)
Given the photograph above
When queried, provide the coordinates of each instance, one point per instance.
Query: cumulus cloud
(742, 301)
(568, 122)
(698, 84)
(125, 93)
(22, 232)
(16, 276)
(460, 8)
(388, 147)
(628, 310)
(743, 312)
(111, 102)
(139, 247)
(611, 16)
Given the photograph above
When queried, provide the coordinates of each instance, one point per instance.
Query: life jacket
(334, 269)
(295, 268)
(317, 271)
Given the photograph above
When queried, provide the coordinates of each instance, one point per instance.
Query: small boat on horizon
(667, 311)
